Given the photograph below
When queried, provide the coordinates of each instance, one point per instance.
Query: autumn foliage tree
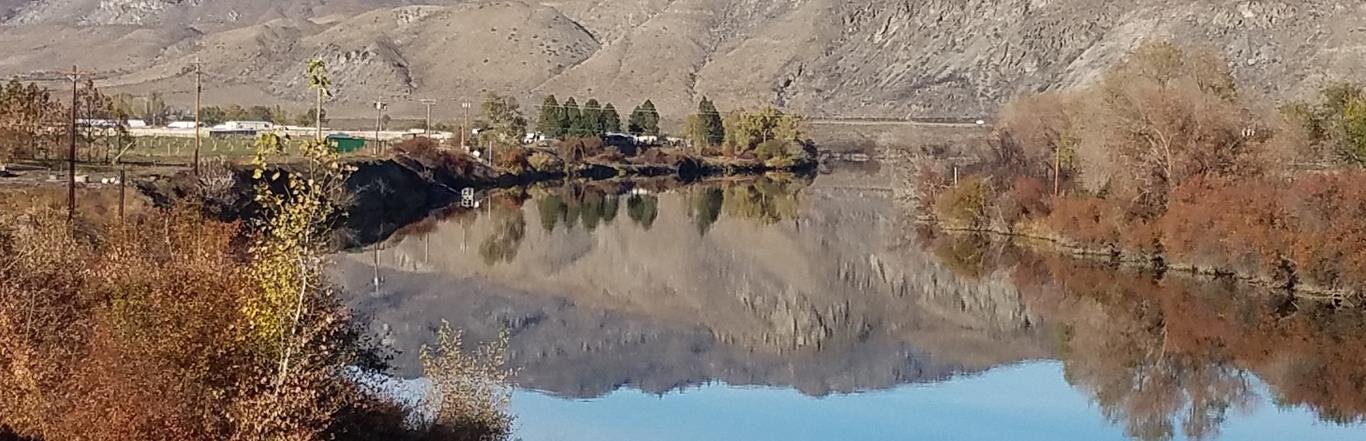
(1168, 114)
(32, 121)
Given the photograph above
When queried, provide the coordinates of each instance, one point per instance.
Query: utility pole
(75, 77)
(379, 125)
(198, 101)
(428, 128)
(465, 126)
(123, 190)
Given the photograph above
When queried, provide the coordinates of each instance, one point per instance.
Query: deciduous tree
(504, 118)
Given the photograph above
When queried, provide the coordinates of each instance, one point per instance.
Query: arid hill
(859, 58)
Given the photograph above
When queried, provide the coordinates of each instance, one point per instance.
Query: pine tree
(551, 120)
(649, 119)
(571, 118)
(611, 121)
(591, 122)
(635, 124)
(711, 122)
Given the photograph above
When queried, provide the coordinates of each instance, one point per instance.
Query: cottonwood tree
(746, 130)
(31, 121)
(321, 83)
(1166, 115)
(504, 118)
(1040, 132)
(1335, 127)
(104, 126)
(696, 132)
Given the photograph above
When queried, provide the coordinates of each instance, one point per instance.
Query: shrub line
(1146, 261)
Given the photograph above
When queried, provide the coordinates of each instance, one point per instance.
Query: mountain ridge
(825, 58)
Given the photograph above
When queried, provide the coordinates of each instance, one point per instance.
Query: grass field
(167, 148)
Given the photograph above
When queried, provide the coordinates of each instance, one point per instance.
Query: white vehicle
(181, 125)
(137, 124)
(534, 137)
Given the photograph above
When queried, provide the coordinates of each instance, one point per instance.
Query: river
(791, 308)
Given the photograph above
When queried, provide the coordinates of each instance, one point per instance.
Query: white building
(181, 125)
(245, 125)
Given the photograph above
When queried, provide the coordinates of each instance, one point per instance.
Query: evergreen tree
(649, 119)
(635, 124)
(571, 118)
(591, 122)
(712, 125)
(611, 121)
(552, 119)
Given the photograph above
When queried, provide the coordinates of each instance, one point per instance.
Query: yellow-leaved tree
(293, 316)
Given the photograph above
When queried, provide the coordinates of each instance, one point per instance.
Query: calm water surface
(793, 309)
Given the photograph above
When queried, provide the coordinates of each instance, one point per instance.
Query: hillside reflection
(826, 289)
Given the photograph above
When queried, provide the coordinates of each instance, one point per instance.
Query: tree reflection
(508, 231)
(551, 209)
(643, 209)
(1162, 356)
(573, 205)
(765, 200)
(705, 207)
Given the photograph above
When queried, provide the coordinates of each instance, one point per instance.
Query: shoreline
(1146, 261)
(386, 194)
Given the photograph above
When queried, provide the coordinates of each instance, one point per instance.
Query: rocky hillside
(831, 58)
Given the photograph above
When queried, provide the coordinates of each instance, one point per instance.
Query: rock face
(828, 58)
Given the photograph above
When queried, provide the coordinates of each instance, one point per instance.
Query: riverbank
(1163, 164)
(1158, 263)
(1297, 233)
(386, 194)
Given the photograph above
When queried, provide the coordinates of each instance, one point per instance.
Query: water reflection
(824, 289)
(1167, 354)
(588, 205)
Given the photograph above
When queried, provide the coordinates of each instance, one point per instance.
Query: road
(894, 122)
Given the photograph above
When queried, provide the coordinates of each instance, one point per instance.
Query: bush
(576, 150)
(1090, 220)
(545, 162)
(1026, 199)
(966, 204)
(513, 159)
(433, 156)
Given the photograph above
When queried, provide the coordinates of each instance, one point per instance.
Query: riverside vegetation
(170, 325)
(1165, 162)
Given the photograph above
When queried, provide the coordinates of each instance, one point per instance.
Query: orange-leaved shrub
(1310, 227)
(136, 336)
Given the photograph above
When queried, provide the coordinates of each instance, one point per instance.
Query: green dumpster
(345, 143)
